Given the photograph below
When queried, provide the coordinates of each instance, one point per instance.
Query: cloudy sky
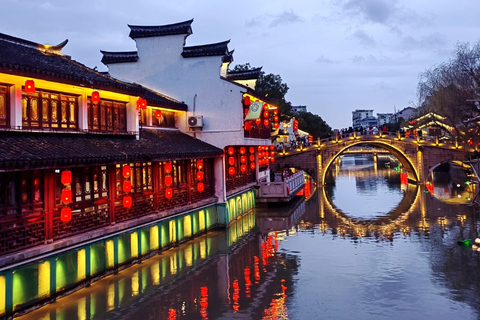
(335, 55)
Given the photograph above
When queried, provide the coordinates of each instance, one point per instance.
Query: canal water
(366, 246)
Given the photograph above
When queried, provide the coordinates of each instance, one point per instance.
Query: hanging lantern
(168, 193)
(243, 159)
(200, 175)
(252, 149)
(66, 177)
(66, 214)
(257, 121)
(200, 187)
(29, 86)
(265, 106)
(272, 147)
(200, 164)
(242, 150)
(248, 126)
(246, 111)
(127, 186)
(266, 122)
(168, 167)
(252, 157)
(158, 114)
(95, 96)
(126, 171)
(275, 118)
(127, 201)
(231, 171)
(272, 159)
(141, 103)
(230, 151)
(231, 161)
(246, 100)
(272, 153)
(276, 125)
(243, 168)
(275, 112)
(168, 181)
(252, 165)
(66, 196)
(265, 114)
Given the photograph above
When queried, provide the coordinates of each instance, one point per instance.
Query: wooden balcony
(281, 191)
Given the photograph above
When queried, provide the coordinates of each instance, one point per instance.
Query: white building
(358, 115)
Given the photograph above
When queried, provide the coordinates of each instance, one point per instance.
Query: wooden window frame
(110, 116)
(5, 92)
(24, 186)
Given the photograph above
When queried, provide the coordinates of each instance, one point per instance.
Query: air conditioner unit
(195, 121)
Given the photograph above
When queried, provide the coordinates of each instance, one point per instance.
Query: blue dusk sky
(335, 55)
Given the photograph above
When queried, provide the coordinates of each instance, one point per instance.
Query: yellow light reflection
(203, 249)
(82, 309)
(111, 297)
(135, 284)
(173, 264)
(2, 295)
(188, 252)
(155, 270)
(43, 279)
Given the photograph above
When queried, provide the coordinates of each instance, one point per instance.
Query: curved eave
(119, 57)
(214, 49)
(137, 31)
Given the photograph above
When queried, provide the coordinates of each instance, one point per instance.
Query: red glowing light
(231, 161)
(231, 171)
(257, 121)
(230, 151)
(266, 122)
(252, 149)
(66, 196)
(248, 126)
(168, 193)
(141, 103)
(243, 168)
(200, 187)
(29, 86)
(168, 180)
(127, 186)
(127, 201)
(252, 165)
(127, 172)
(168, 167)
(276, 125)
(158, 114)
(66, 214)
(200, 175)
(242, 150)
(265, 114)
(246, 100)
(200, 164)
(66, 177)
(243, 159)
(95, 96)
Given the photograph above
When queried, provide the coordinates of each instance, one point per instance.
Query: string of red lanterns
(168, 180)
(127, 186)
(200, 176)
(66, 212)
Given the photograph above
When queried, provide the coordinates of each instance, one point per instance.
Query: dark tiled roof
(214, 49)
(165, 30)
(30, 59)
(244, 75)
(119, 57)
(24, 150)
(228, 57)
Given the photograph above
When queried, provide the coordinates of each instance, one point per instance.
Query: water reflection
(306, 260)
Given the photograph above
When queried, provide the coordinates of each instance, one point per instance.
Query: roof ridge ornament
(34, 45)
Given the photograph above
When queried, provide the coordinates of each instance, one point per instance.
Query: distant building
(359, 115)
(298, 109)
(368, 122)
(407, 114)
(384, 118)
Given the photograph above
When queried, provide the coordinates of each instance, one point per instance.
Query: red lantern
(265, 114)
(29, 86)
(246, 111)
(243, 168)
(272, 153)
(252, 165)
(126, 171)
(275, 112)
(66, 196)
(200, 175)
(252, 149)
(168, 181)
(272, 159)
(127, 186)
(242, 150)
(230, 151)
(231, 161)
(168, 193)
(257, 121)
(266, 122)
(248, 126)
(231, 171)
(141, 103)
(200, 164)
(276, 125)
(200, 187)
(95, 96)
(275, 118)
(265, 106)
(168, 167)
(272, 147)
(66, 177)
(246, 100)
(127, 202)
(158, 114)
(243, 159)
(66, 214)
(252, 157)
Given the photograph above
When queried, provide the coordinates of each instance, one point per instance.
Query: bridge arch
(408, 164)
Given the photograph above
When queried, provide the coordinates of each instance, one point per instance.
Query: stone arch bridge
(416, 155)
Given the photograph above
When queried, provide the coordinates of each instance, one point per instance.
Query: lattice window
(21, 192)
(4, 106)
(88, 185)
(107, 116)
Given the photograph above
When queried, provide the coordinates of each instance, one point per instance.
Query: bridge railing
(282, 189)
